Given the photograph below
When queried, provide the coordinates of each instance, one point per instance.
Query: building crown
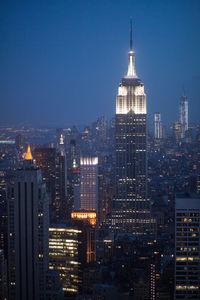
(28, 155)
(131, 73)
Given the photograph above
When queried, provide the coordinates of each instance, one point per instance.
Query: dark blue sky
(61, 61)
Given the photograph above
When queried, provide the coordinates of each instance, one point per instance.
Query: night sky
(61, 60)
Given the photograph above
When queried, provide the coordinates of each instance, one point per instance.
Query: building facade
(88, 184)
(130, 211)
(86, 222)
(187, 250)
(65, 254)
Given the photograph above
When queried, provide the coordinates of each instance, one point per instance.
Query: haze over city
(61, 61)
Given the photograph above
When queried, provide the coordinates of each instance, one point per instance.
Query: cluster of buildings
(180, 129)
(84, 216)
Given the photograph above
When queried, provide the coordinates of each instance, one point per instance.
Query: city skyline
(61, 62)
(100, 158)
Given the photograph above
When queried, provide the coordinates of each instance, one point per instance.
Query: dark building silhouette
(45, 158)
(20, 142)
(28, 222)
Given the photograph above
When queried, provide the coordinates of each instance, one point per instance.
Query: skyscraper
(157, 126)
(187, 258)
(130, 212)
(67, 254)
(20, 142)
(61, 183)
(86, 221)
(28, 222)
(183, 114)
(86, 205)
(45, 159)
(73, 175)
(89, 183)
(176, 130)
(59, 132)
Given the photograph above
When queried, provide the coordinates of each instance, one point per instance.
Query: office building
(20, 142)
(130, 211)
(183, 114)
(28, 222)
(99, 129)
(194, 184)
(73, 176)
(45, 158)
(157, 126)
(67, 256)
(59, 132)
(88, 183)
(176, 130)
(3, 214)
(198, 133)
(86, 203)
(187, 250)
(3, 276)
(86, 221)
(61, 183)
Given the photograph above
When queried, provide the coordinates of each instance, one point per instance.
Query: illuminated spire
(131, 35)
(28, 155)
(131, 57)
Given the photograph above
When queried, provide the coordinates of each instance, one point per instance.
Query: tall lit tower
(89, 183)
(183, 114)
(86, 205)
(130, 212)
(61, 182)
(28, 222)
(157, 126)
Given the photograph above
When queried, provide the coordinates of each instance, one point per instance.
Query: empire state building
(130, 211)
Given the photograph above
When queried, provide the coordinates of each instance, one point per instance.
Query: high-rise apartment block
(28, 222)
(187, 248)
(157, 126)
(130, 212)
